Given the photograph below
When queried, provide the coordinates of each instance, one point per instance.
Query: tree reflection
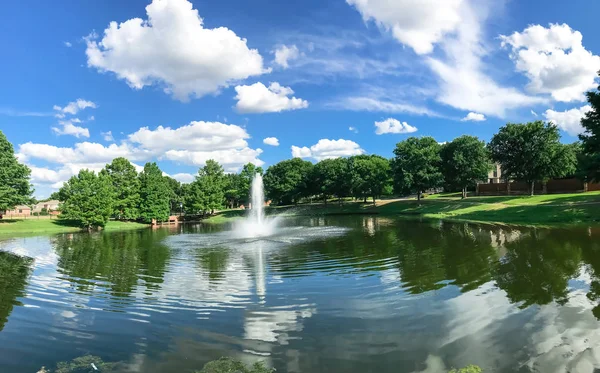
(537, 267)
(121, 259)
(14, 271)
(214, 262)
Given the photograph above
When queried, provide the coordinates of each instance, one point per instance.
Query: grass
(543, 210)
(35, 227)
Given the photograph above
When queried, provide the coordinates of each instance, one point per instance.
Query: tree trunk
(532, 187)
(419, 196)
(365, 199)
(373, 200)
(464, 193)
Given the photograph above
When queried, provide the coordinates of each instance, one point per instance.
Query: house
(18, 211)
(495, 175)
(50, 206)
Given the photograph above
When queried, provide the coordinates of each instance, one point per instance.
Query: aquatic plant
(228, 365)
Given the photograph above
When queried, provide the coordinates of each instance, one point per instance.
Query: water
(339, 294)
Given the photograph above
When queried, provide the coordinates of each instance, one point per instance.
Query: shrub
(227, 365)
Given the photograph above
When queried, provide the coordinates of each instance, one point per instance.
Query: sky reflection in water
(336, 294)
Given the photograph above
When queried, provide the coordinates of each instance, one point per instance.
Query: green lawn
(543, 210)
(34, 227)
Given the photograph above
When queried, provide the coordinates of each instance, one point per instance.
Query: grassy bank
(544, 210)
(34, 227)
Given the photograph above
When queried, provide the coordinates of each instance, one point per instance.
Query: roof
(21, 207)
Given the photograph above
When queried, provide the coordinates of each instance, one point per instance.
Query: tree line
(530, 153)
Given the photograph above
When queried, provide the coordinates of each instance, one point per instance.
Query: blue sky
(179, 82)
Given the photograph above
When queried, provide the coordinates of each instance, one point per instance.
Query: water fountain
(256, 225)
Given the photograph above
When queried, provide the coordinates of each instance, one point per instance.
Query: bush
(468, 369)
(227, 365)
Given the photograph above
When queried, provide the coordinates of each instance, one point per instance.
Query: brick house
(50, 206)
(19, 211)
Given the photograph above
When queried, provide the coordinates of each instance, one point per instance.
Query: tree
(15, 188)
(87, 199)
(175, 193)
(232, 190)
(465, 161)
(208, 190)
(332, 177)
(370, 176)
(416, 165)
(126, 188)
(591, 137)
(246, 175)
(154, 194)
(531, 152)
(288, 181)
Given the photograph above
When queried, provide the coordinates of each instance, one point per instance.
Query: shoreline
(551, 211)
(18, 228)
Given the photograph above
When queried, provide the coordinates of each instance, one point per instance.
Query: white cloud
(569, 120)
(68, 44)
(534, 113)
(300, 152)
(184, 178)
(273, 141)
(68, 128)
(194, 136)
(285, 54)
(257, 98)
(554, 60)
(353, 129)
(365, 103)
(173, 48)
(474, 117)
(108, 136)
(74, 107)
(417, 23)
(456, 26)
(392, 125)
(327, 149)
(191, 144)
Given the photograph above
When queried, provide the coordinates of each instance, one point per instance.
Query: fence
(11, 216)
(551, 187)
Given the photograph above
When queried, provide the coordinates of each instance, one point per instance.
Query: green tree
(465, 161)
(288, 181)
(208, 190)
(87, 199)
(332, 177)
(246, 175)
(154, 194)
(15, 188)
(176, 196)
(531, 152)
(591, 137)
(126, 188)
(371, 176)
(416, 165)
(232, 190)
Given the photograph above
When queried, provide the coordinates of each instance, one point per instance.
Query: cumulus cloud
(191, 144)
(474, 117)
(285, 54)
(108, 136)
(68, 128)
(74, 107)
(184, 178)
(327, 149)
(569, 120)
(555, 61)
(418, 24)
(273, 141)
(392, 125)
(174, 49)
(257, 98)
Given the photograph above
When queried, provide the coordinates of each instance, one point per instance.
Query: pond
(333, 294)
